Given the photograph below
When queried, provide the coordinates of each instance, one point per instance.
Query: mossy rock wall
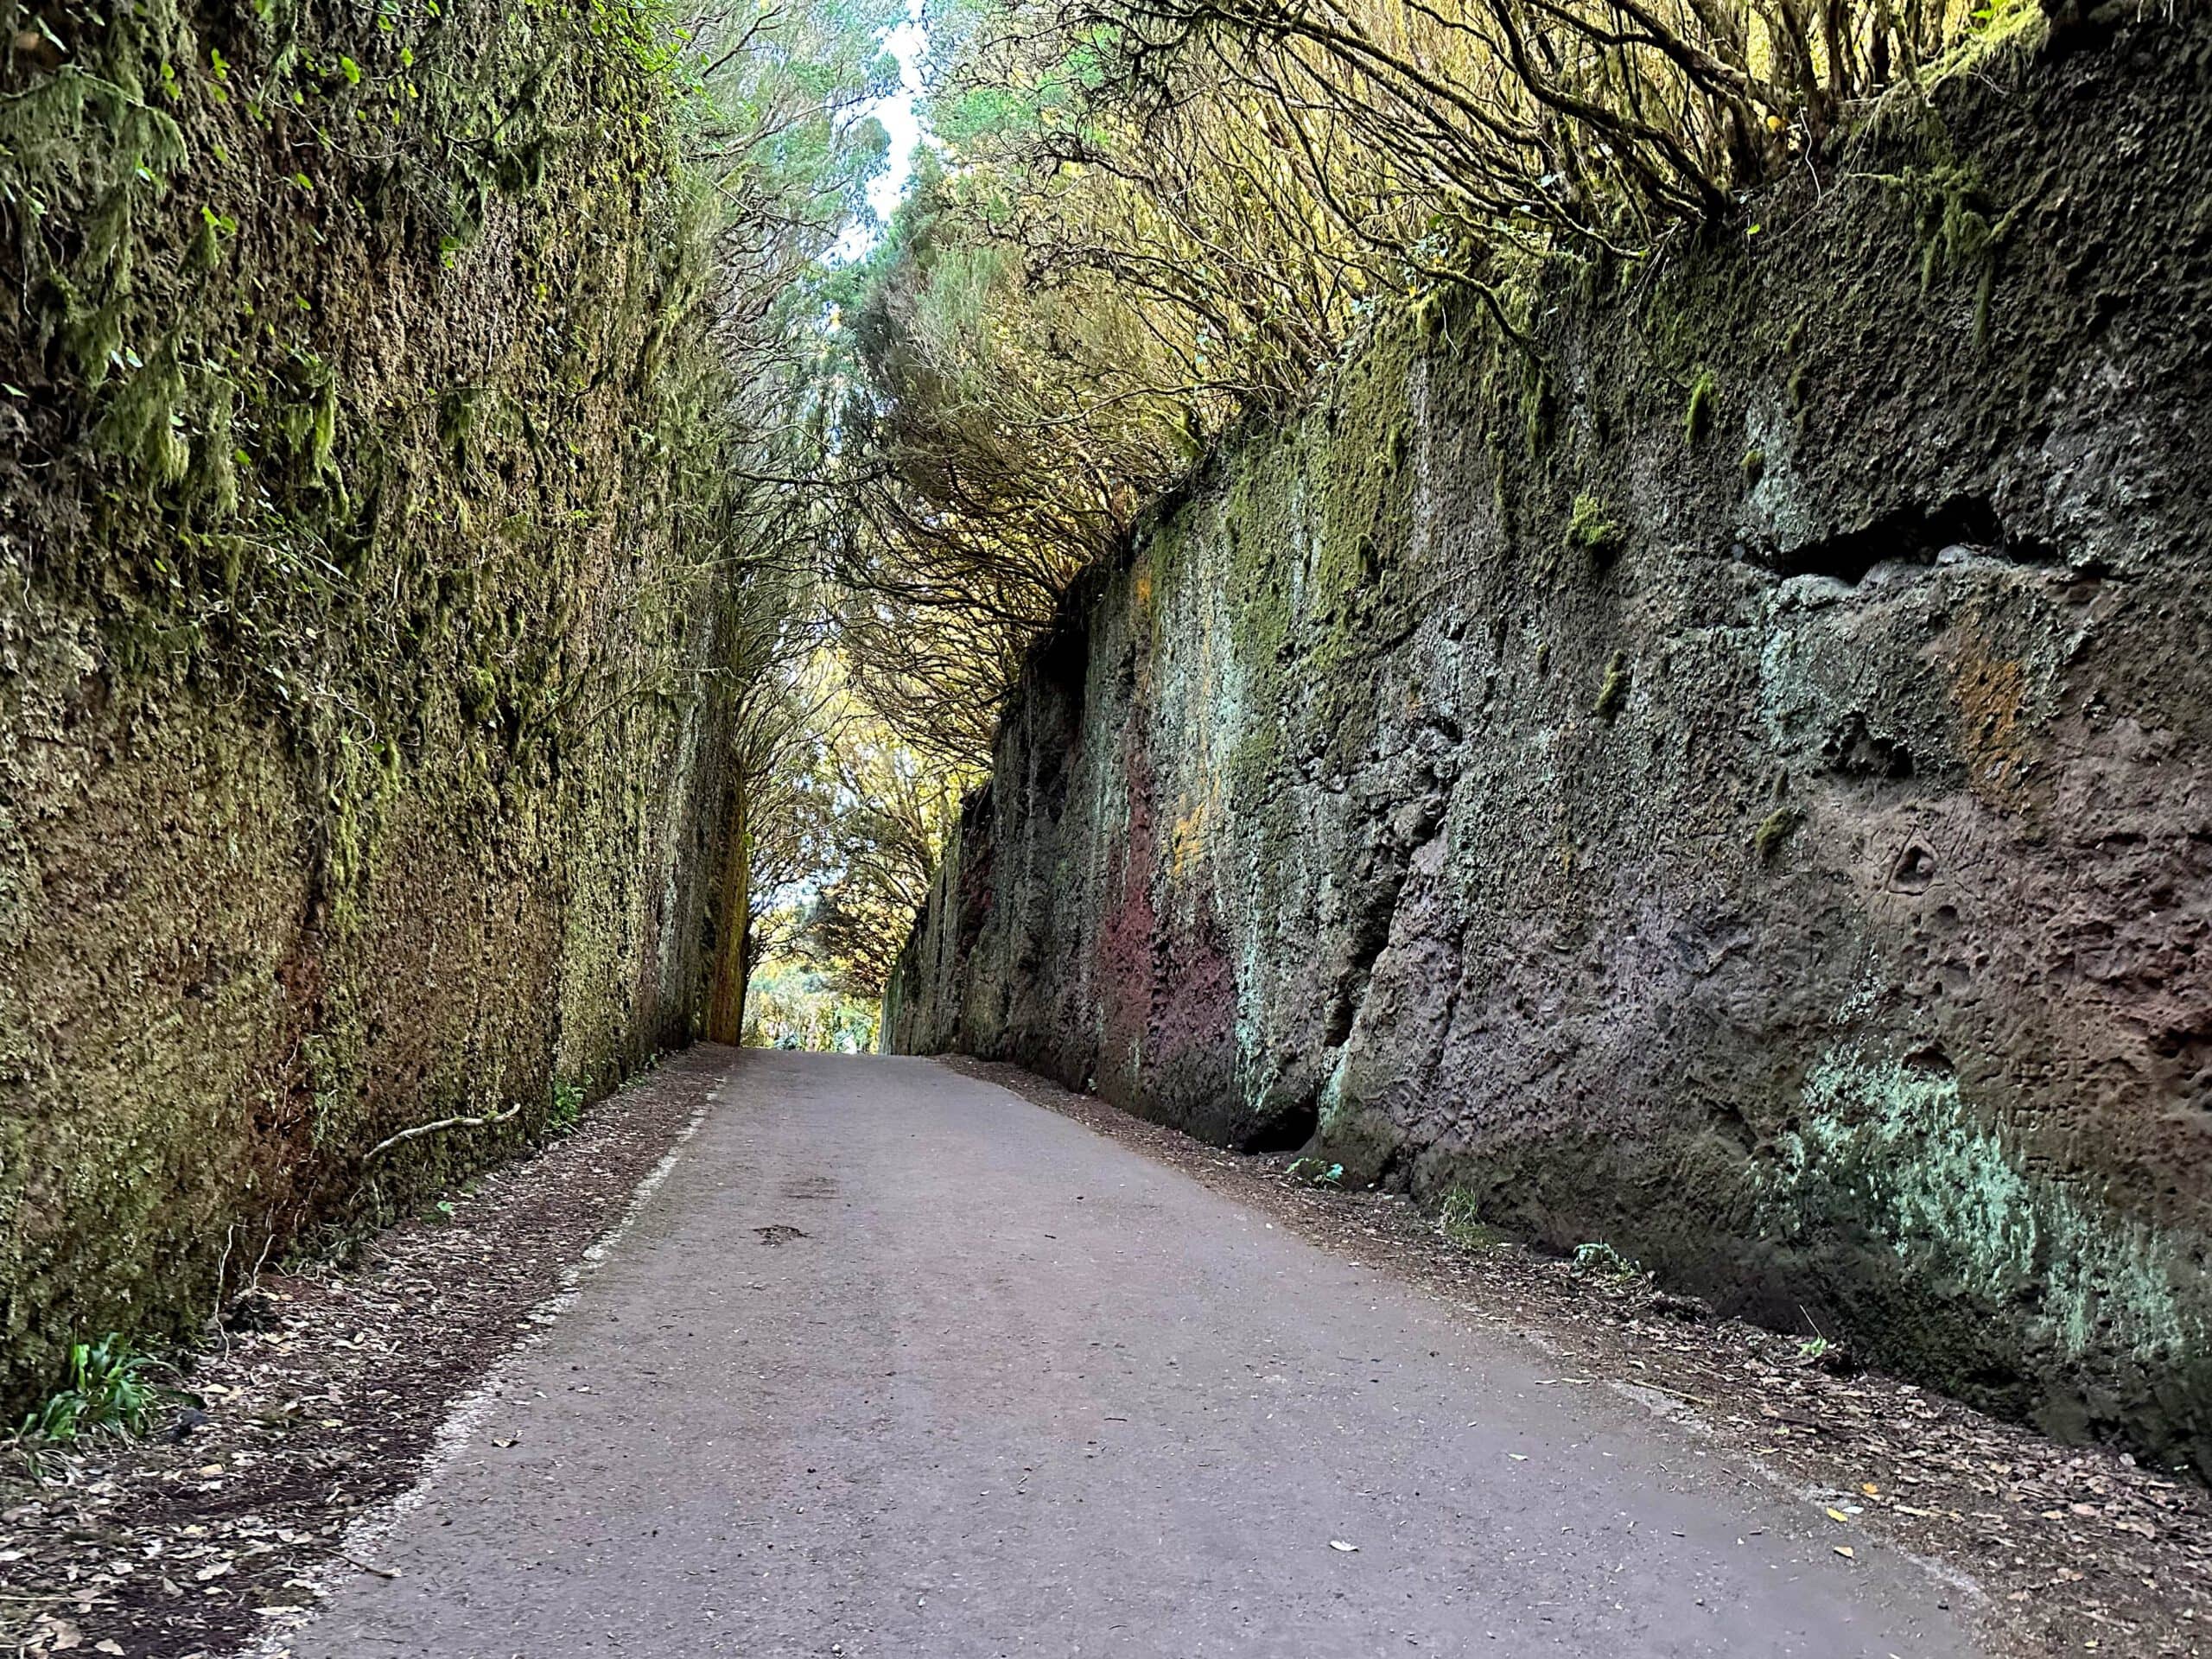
(1735, 787)
(363, 704)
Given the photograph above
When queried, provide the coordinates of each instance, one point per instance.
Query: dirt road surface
(897, 1363)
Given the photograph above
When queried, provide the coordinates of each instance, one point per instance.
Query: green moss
(1537, 409)
(1754, 466)
(1589, 529)
(1774, 829)
(1697, 416)
(1958, 227)
(1614, 688)
(362, 731)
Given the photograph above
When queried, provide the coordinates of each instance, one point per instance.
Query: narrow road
(898, 1365)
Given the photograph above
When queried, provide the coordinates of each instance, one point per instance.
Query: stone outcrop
(1732, 783)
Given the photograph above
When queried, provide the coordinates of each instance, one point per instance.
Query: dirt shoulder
(2059, 1549)
(319, 1403)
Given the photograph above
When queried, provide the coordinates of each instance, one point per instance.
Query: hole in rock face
(1854, 750)
(1964, 526)
(1286, 1129)
(1914, 867)
(1931, 1061)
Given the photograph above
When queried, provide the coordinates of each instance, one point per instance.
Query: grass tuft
(1460, 1220)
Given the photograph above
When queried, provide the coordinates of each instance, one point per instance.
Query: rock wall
(1733, 785)
(362, 698)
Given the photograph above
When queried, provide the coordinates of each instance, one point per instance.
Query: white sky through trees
(907, 42)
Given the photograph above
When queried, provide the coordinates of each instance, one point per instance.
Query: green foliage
(565, 1108)
(107, 1389)
(1314, 1172)
(846, 822)
(791, 1004)
(1600, 1260)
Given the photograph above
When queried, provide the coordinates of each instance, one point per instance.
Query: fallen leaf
(1338, 1543)
(1845, 1550)
(1838, 1515)
(506, 1443)
(111, 1645)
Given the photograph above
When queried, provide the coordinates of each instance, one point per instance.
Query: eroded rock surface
(1732, 785)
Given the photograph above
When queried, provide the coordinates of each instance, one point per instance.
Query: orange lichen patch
(1188, 838)
(1990, 695)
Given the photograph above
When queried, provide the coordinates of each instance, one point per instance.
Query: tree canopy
(1139, 222)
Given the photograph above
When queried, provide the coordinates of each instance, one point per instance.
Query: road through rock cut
(895, 1362)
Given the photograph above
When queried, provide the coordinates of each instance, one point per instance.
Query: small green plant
(109, 1390)
(1598, 1258)
(1697, 418)
(568, 1108)
(1460, 1220)
(1615, 689)
(1813, 1349)
(1315, 1171)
